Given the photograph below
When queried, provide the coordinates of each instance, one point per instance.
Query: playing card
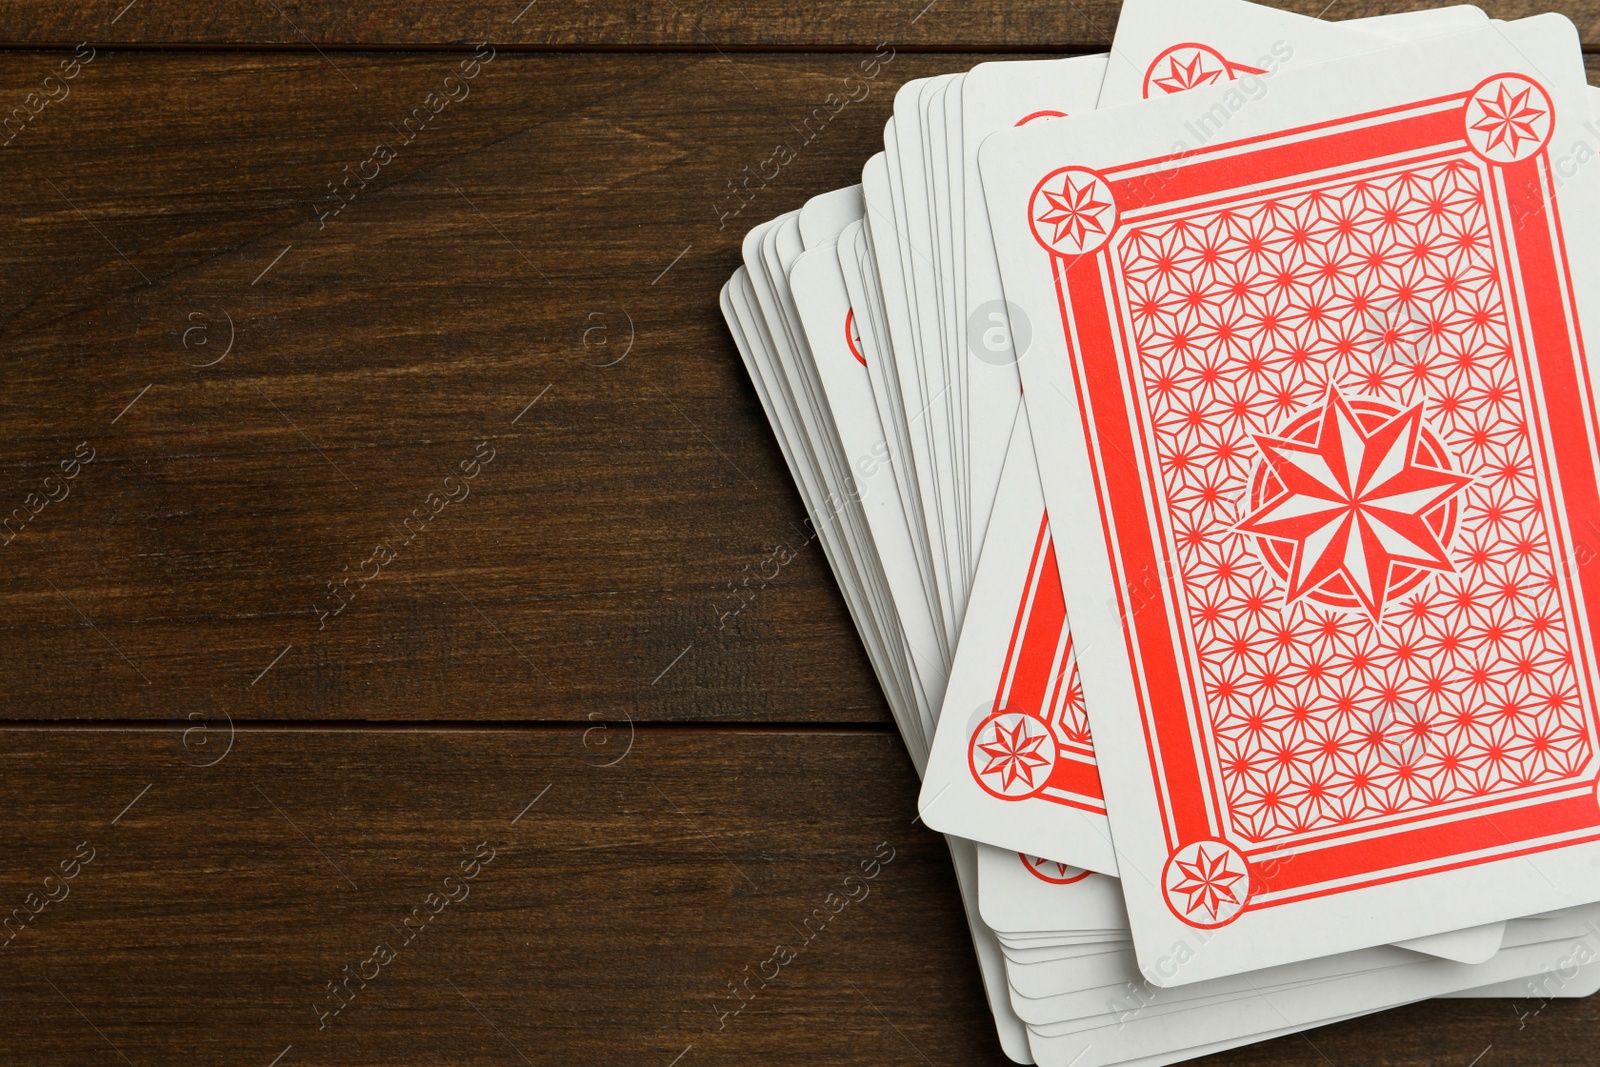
(1171, 46)
(924, 381)
(817, 284)
(868, 336)
(765, 353)
(824, 218)
(1150, 1030)
(1020, 893)
(1363, 278)
(1328, 710)
(1475, 944)
(910, 385)
(997, 96)
(1078, 1009)
(1013, 1035)
(778, 362)
(1014, 765)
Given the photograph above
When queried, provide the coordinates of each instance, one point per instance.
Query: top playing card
(1322, 376)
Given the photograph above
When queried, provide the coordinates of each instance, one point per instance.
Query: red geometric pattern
(1072, 718)
(1354, 504)
(1245, 319)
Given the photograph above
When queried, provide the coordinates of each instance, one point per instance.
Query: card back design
(1337, 400)
(1190, 65)
(1035, 741)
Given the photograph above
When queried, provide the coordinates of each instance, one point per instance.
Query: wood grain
(606, 929)
(1074, 25)
(624, 515)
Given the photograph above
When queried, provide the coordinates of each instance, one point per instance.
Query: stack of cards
(1203, 440)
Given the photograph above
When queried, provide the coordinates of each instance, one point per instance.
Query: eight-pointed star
(1354, 502)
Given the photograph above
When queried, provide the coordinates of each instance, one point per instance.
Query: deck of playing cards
(1204, 442)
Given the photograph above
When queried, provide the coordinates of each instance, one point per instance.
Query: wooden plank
(566, 23)
(220, 902)
(939, 24)
(567, 204)
(763, 24)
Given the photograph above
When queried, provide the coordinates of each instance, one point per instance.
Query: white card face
(1172, 46)
(1133, 1000)
(1119, 995)
(817, 283)
(869, 338)
(900, 320)
(1013, 764)
(1058, 1052)
(1150, 1031)
(1476, 944)
(1581, 981)
(870, 334)
(824, 217)
(1058, 996)
(1575, 975)
(927, 381)
(1420, 25)
(999, 96)
(1019, 893)
(935, 175)
(1223, 846)
(784, 381)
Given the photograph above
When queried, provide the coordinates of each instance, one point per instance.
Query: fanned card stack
(1203, 438)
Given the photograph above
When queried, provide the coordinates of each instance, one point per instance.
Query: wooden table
(379, 482)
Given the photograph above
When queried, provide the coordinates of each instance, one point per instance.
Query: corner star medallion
(1354, 503)
(1072, 211)
(1181, 77)
(1509, 119)
(1207, 883)
(1189, 66)
(1012, 755)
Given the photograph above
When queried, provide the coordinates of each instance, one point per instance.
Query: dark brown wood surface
(624, 514)
(269, 390)
(940, 25)
(221, 900)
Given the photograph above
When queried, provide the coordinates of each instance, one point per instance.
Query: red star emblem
(1208, 881)
(1354, 503)
(1181, 77)
(1074, 212)
(1509, 119)
(1013, 755)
